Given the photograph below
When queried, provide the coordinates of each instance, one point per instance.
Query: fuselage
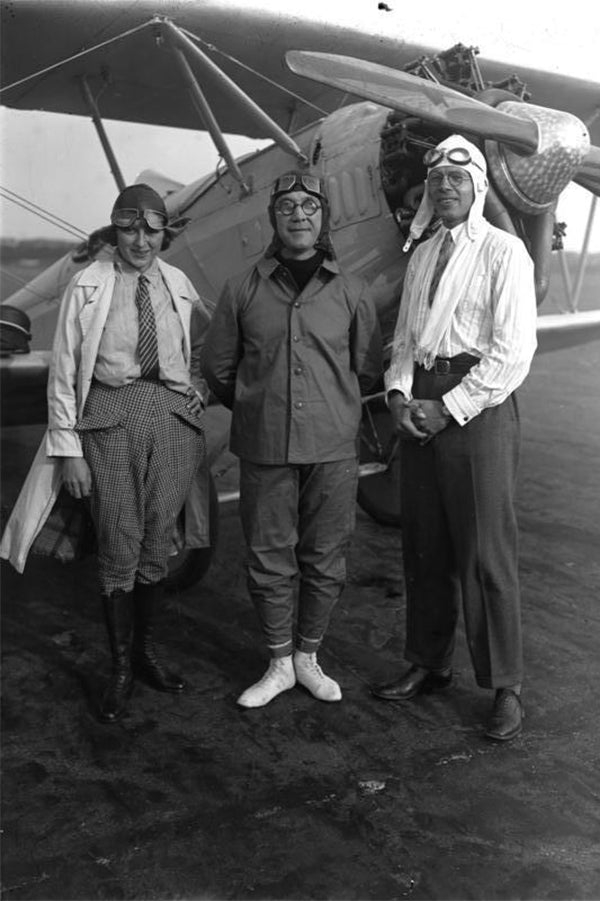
(229, 229)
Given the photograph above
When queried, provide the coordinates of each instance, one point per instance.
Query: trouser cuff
(308, 645)
(434, 667)
(281, 650)
(495, 682)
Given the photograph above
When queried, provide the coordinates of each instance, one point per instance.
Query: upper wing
(134, 77)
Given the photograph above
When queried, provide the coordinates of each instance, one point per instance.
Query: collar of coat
(267, 265)
(99, 271)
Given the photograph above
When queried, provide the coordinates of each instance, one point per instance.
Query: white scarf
(456, 278)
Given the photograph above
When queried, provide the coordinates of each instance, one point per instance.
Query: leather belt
(458, 365)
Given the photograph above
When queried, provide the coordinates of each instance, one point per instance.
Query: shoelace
(275, 670)
(316, 669)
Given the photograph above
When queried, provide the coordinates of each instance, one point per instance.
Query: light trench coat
(81, 320)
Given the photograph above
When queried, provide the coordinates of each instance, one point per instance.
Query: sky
(56, 161)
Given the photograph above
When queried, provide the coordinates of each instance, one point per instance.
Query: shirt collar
(152, 273)
(458, 230)
(267, 265)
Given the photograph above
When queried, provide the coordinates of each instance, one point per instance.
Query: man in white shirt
(464, 340)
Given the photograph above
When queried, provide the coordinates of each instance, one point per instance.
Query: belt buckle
(442, 367)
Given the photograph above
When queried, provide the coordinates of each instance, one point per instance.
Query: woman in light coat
(124, 428)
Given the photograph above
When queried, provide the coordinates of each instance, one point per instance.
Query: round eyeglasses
(455, 179)
(125, 218)
(286, 207)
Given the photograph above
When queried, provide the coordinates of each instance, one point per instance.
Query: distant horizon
(10, 240)
(22, 239)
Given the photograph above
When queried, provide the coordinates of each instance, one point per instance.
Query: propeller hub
(532, 183)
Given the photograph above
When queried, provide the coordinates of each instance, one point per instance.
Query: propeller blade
(588, 174)
(415, 96)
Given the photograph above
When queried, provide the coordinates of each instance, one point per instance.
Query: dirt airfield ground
(195, 799)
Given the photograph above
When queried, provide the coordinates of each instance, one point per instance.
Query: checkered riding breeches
(143, 447)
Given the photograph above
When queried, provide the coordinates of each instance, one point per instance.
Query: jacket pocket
(196, 422)
(100, 421)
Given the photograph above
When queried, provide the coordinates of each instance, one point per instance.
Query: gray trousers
(297, 522)
(459, 535)
(143, 448)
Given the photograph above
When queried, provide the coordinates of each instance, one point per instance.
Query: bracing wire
(191, 35)
(46, 215)
(252, 71)
(70, 59)
(62, 223)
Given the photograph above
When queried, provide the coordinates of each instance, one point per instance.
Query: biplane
(358, 109)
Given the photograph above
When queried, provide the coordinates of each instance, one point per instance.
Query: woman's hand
(194, 402)
(76, 477)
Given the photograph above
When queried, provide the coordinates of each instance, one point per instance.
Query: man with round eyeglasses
(125, 403)
(291, 344)
(464, 340)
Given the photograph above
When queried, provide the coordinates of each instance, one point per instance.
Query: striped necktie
(441, 263)
(147, 340)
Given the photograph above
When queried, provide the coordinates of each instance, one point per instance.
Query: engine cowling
(533, 183)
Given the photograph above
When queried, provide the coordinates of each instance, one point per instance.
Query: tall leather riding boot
(118, 615)
(148, 601)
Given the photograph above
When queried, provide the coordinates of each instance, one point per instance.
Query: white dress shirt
(117, 362)
(484, 305)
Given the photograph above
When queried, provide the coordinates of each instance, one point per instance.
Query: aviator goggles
(126, 218)
(292, 181)
(286, 207)
(458, 156)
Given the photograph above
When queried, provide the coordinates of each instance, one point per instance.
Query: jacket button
(298, 370)
(298, 404)
(297, 305)
(295, 338)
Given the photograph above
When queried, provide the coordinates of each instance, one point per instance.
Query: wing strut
(573, 292)
(208, 119)
(101, 131)
(181, 42)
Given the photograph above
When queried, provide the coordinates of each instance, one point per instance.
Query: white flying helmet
(452, 151)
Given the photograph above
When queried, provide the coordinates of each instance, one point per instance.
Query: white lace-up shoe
(279, 677)
(311, 676)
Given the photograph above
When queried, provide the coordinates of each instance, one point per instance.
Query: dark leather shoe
(115, 701)
(415, 681)
(506, 721)
(149, 669)
(147, 666)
